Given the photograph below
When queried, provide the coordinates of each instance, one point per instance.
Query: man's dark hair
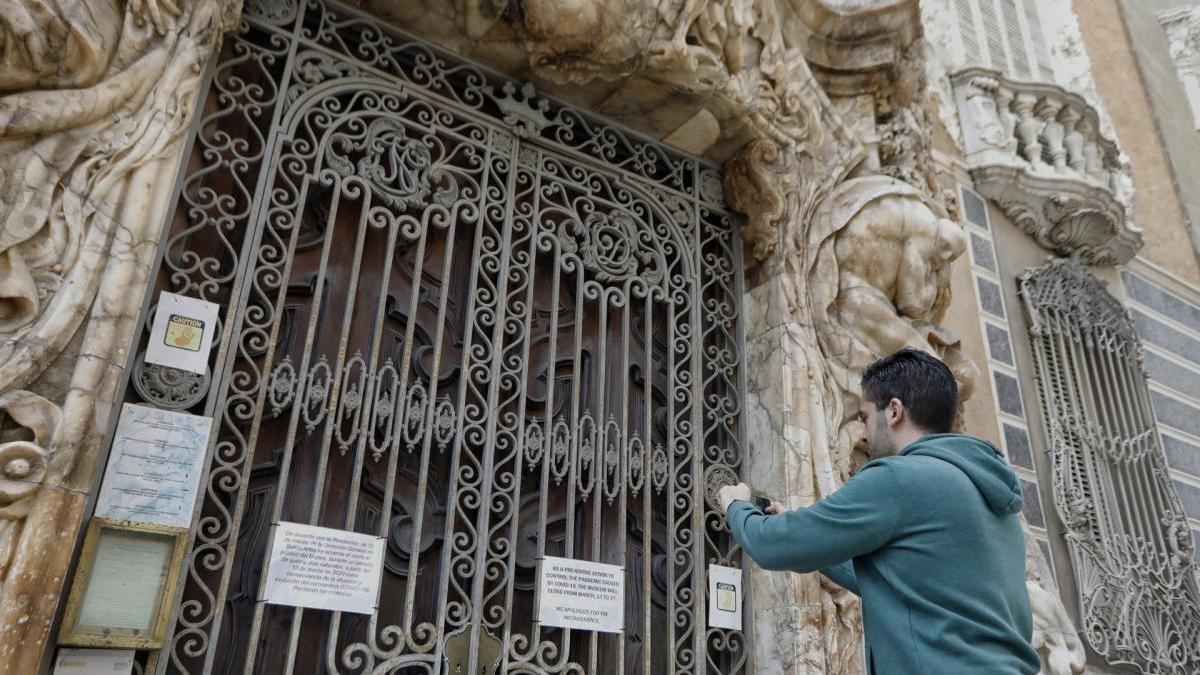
(923, 384)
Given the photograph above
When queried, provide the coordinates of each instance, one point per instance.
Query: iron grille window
(1130, 544)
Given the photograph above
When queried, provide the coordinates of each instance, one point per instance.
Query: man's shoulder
(912, 470)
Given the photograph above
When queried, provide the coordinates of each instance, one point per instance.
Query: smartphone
(762, 503)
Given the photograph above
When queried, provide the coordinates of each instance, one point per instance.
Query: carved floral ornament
(1036, 150)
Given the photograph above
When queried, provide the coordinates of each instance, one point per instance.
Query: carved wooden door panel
(477, 323)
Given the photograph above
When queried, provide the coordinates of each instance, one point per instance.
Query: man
(926, 532)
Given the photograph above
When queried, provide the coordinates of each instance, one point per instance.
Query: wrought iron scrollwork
(467, 318)
(1130, 545)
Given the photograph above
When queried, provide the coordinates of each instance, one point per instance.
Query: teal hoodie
(931, 541)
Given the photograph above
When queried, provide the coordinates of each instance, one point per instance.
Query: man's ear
(895, 413)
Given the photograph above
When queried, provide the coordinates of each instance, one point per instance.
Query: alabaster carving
(22, 465)
(1037, 151)
(96, 97)
(878, 261)
(1054, 634)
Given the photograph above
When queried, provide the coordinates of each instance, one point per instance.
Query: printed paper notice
(93, 662)
(182, 332)
(323, 568)
(581, 594)
(724, 597)
(154, 468)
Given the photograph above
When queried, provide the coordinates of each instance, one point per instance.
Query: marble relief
(95, 100)
(849, 241)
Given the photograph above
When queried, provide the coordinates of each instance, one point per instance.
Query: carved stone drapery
(94, 101)
(1130, 543)
(1037, 151)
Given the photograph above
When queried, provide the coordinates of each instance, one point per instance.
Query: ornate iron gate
(474, 321)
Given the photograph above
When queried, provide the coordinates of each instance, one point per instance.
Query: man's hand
(775, 508)
(731, 493)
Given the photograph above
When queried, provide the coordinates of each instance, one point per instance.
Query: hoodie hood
(983, 463)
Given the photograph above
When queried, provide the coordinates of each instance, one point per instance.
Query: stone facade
(826, 114)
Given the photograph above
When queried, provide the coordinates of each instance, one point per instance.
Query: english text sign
(581, 594)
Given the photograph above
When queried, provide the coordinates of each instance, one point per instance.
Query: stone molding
(1182, 26)
(1036, 150)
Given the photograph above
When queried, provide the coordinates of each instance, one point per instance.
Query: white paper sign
(324, 568)
(724, 597)
(182, 332)
(581, 594)
(154, 468)
(93, 662)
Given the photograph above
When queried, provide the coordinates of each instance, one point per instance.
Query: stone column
(799, 623)
(96, 102)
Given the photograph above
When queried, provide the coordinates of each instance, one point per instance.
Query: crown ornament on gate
(526, 113)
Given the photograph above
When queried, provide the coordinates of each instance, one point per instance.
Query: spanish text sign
(581, 594)
(155, 466)
(323, 568)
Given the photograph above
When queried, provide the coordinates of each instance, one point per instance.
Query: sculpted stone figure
(1054, 633)
(879, 262)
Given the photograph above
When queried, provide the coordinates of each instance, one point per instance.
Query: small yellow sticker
(184, 333)
(726, 597)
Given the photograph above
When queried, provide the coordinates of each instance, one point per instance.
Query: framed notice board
(119, 597)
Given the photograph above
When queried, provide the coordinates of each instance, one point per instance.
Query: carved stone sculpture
(1183, 39)
(22, 466)
(1054, 634)
(878, 261)
(96, 98)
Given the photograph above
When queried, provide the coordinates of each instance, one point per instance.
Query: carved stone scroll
(96, 97)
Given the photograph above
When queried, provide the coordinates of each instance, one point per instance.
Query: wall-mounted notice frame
(120, 596)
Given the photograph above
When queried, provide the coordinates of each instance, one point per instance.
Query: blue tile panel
(1008, 393)
(981, 251)
(1033, 504)
(1181, 455)
(990, 297)
(1161, 301)
(1176, 414)
(1171, 374)
(974, 208)
(998, 345)
(1045, 546)
(1161, 335)
(1190, 496)
(1016, 442)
